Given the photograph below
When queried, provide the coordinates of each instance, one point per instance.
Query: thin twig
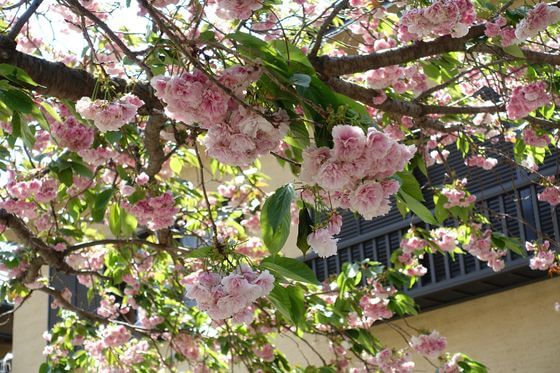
(18, 26)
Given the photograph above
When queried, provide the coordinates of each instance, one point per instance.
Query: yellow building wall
(517, 330)
(30, 321)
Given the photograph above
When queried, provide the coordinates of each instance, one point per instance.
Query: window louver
(510, 194)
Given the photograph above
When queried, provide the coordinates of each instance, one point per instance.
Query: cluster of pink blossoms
(480, 246)
(526, 99)
(443, 17)
(236, 135)
(107, 115)
(72, 134)
(375, 304)
(114, 336)
(229, 296)
(457, 195)
(550, 194)
(356, 170)
(245, 136)
(537, 20)
(544, 258)
(322, 241)
(22, 209)
(530, 137)
(194, 98)
(430, 345)
(187, 346)
(155, 212)
(43, 191)
(235, 9)
(486, 163)
(445, 238)
(412, 244)
(401, 79)
(412, 265)
(499, 28)
(265, 352)
(390, 361)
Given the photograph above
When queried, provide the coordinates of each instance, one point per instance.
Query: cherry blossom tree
(107, 106)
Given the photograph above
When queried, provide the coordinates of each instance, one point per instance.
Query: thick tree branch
(416, 110)
(154, 148)
(47, 255)
(60, 81)
(18, 26)
(337, 66)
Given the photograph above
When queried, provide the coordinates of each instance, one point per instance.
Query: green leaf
(418, 208)
(297, 309)
(290, 268)
(65, 176)
(440, 211)
(16, 74)
(302, 80)
(281, 300)
(128, 223)
(201, 252)
(44, 368)
(276, 218)
(410, 185)
(22, 130)
(502, 241)
(114, 290)
(17, 100)
(514, 50)
(81, 169)
(115, 220)
(402, 304)
(304, 229)
(100, 204)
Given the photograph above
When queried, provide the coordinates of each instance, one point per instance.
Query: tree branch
(47, 255)
(416, 110)
(153, 146)
(16, 29)
(63, 82)
(324, 28)
(337, 66)
(111, 35)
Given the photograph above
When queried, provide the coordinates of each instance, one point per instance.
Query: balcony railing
(510, 193)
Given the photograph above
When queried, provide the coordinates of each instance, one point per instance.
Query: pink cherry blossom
(72, 135)
(477, 160)
(526, 99)
(109, 115)
(349, 142)
(155, 212)
(445, 238)
(530, 137)
(443, 17)
(430, 345)
(551, 195)
(322, 242)
(236, 9)
(542, 260)
(537, 20)
(229, 296)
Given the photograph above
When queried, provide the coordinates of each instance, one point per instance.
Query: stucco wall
(512, 331)
(30, 321)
